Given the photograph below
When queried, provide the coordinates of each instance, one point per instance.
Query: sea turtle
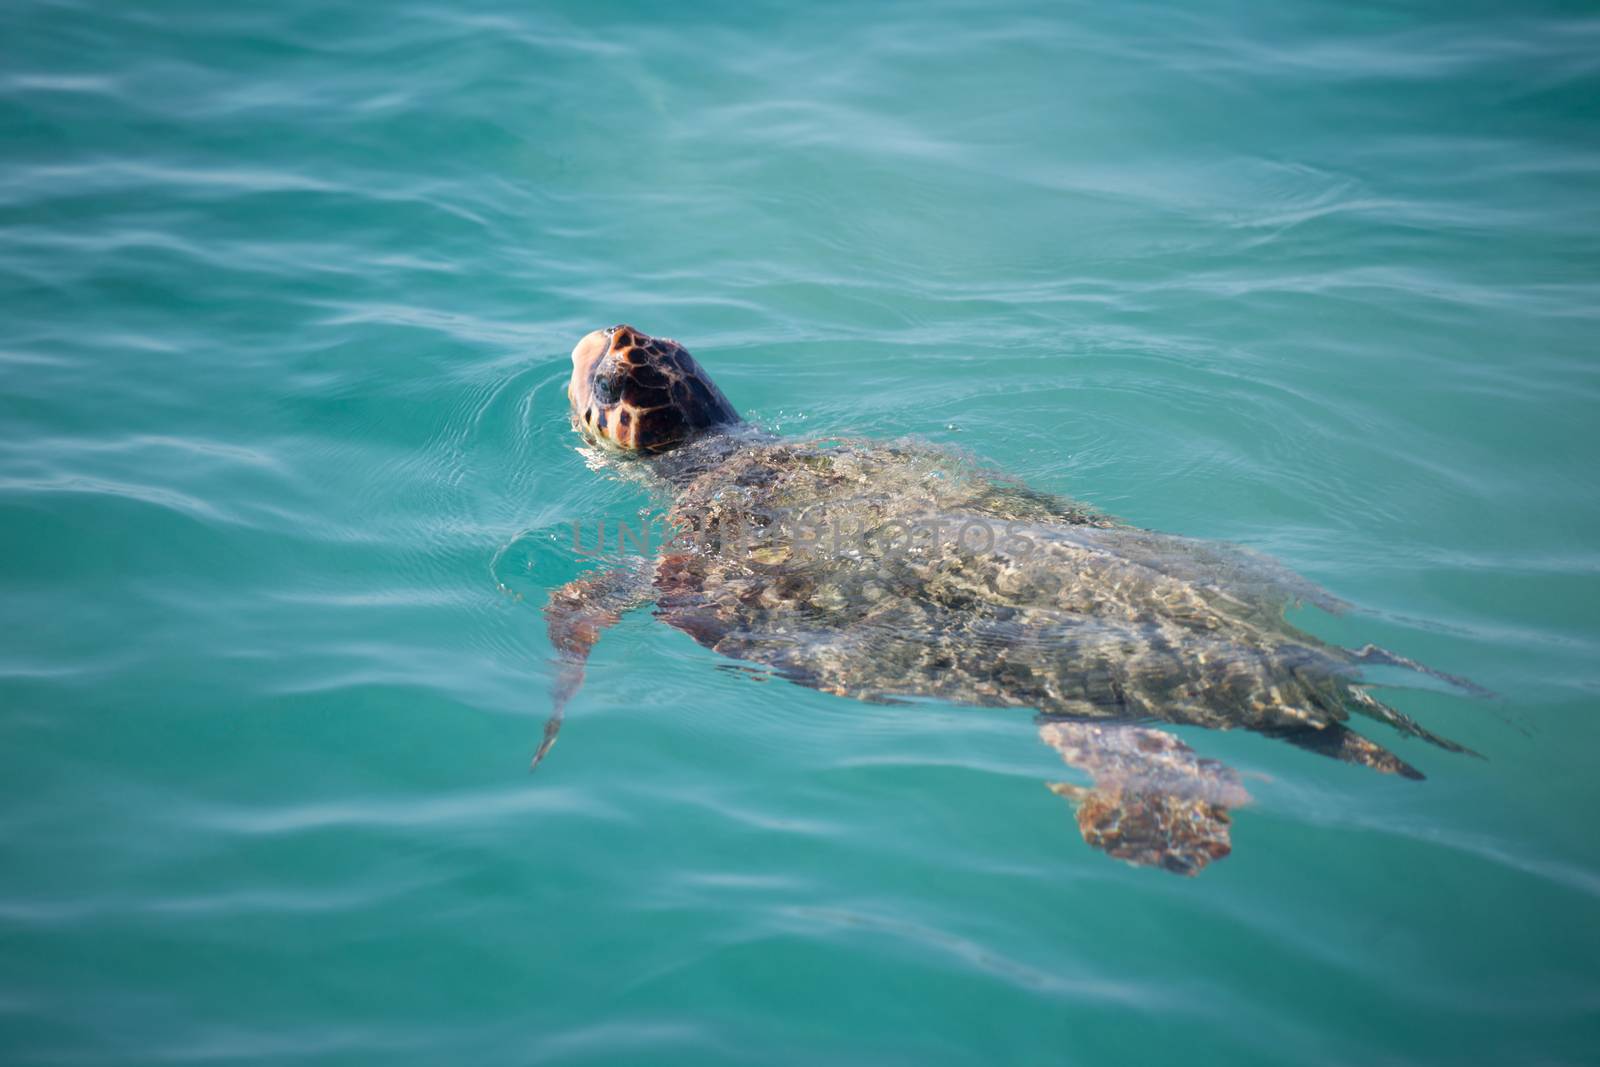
(891, 570)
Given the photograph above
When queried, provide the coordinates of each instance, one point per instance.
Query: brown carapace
(641, 393)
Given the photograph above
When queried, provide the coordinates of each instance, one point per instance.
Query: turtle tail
(1367, 704)
(1356, 698)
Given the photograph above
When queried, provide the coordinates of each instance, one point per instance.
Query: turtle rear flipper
(1342, 743)
(1154, 802)
(1383, 657)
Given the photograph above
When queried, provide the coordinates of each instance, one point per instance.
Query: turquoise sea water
(287, 298)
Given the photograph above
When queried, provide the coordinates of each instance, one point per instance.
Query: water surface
(288, 296)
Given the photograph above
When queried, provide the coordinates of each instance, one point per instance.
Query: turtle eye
(606, 388)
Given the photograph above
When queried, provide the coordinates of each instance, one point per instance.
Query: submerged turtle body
(880, 571)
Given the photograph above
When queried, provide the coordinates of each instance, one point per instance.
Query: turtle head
(641, 393)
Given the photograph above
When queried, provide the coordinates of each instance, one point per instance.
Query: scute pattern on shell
(1098, 621)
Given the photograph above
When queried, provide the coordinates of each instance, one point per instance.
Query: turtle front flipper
(577, 614)
(1154, 803)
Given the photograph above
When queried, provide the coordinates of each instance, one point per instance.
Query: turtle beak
(586, 355)
(590, 350)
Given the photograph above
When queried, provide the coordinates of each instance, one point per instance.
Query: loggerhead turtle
(882, 571)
